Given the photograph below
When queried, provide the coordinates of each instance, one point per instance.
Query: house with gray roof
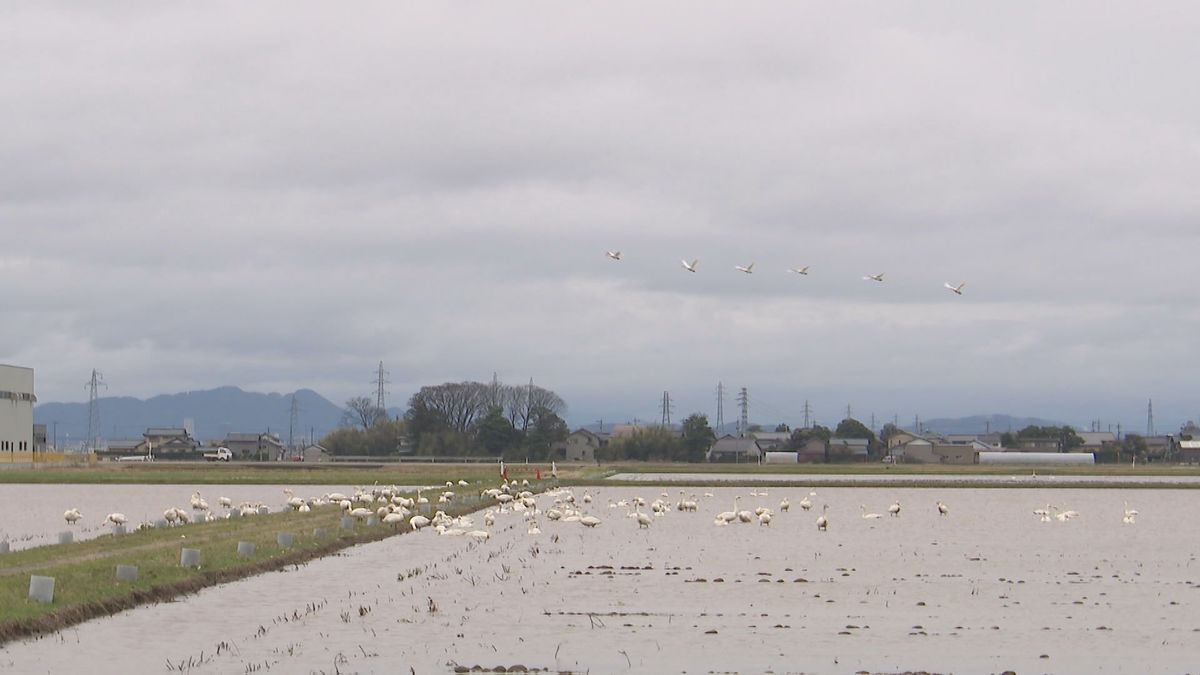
(732, 449)
(848, 449)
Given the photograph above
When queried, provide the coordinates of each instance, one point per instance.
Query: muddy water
(32, 515)
(984, 589)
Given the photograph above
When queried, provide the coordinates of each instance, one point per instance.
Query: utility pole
(720, 407)
(666, 409)
(744, 403)
(381, 379)
(93, 387)
(1150, 418)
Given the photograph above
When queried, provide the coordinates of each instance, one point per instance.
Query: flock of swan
(693, 265)
(390, 507)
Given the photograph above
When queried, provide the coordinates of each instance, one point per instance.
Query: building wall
(16, 409)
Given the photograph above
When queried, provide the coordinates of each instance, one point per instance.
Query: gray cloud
(281, 196)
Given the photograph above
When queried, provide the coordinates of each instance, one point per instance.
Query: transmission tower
(807, 414)
(744, 404)
(666, 409)
(849, 414)
(93, 386)
(381, 379)
(1150, 418)
(295, 419)
(720, 407)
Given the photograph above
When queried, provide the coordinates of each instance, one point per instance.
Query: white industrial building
(16, 409)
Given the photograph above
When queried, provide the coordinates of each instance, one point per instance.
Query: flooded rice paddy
(33, 514)
(1025, 479)
(986, 588)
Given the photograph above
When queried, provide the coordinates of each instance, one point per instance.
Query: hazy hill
(215, 413)
(978, 424)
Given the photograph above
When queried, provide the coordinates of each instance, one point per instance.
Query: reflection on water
(984, 589)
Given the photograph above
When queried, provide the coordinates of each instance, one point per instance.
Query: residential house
(1159, 448)
(1094, 441)
(814, 450)
(848, 449)
(168, 442)
(1189, 452)
(732, 449)
(316, 453)
(927, 451)
(1040, 444)
(580, 446)
(901, 437)
(122, 448)
(991, 440)
(252, 446)
(771, 440)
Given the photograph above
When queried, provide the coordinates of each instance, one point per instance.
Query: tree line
(457, 419)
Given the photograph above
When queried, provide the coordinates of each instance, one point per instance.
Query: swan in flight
(689, 266)
(615, 255)
(957, 290)
(874, 277)
(748, 269)
(802, 271)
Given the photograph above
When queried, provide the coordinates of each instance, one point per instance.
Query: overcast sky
(279, 196)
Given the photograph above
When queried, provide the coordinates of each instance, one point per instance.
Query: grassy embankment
(84, 572)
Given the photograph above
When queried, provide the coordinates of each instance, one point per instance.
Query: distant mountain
(214, 413)
(978, 424)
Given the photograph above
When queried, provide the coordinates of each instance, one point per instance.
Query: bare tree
(456, 404)
(361, 411)
(521, 404)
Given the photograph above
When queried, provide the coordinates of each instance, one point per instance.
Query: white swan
(802, 271)
(615, 255)
(942, 509)
(643, 520)
(894, 509)
(822, 521)
(72, 516)
(689, 266)
(116, 519)
(874, 277)
(957, 290)
(748, 269)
